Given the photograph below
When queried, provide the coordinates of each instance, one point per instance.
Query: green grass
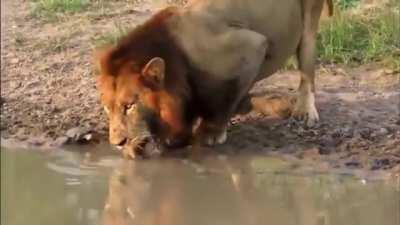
(346, 4)
(51, 9)
(112, 37)
(355, 39)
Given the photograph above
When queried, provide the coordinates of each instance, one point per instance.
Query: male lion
(197, 63)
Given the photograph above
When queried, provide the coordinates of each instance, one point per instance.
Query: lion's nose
(122, 142)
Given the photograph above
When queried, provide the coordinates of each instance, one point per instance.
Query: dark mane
(146, 40)
(149, 40)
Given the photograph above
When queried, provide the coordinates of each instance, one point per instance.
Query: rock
(380, 132)
(60, 141)
(37, 141)
(88, 137)
(380, 163)
(80, 135)
(73, 133)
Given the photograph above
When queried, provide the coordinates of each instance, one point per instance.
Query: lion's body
(200, 62)
(220, 36)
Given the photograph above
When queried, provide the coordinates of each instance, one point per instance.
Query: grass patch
(346, 4)
(52, 9)
(357, 38)
(111, 38)
(55, 44)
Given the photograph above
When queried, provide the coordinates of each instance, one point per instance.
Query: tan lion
(197, 63)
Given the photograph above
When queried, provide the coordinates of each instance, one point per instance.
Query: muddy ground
(48, 95)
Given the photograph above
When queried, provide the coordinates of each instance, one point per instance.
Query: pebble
(328, 144)
(343, 132)
(380, 163)
(353, 164)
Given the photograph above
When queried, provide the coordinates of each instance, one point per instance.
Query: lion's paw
(214, 139)
(211, 137)
(305, 110)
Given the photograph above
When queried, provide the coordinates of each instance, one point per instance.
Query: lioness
(197, 63)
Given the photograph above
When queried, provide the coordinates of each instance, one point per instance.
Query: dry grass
(51, 9)
(119, 30)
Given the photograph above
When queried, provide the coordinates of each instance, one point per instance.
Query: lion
(180, 76)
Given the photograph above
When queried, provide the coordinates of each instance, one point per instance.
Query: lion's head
(145, 89)
(141, 103)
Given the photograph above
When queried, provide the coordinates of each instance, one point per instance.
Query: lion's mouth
(144, 147)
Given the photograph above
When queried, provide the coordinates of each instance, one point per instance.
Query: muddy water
(81, 188)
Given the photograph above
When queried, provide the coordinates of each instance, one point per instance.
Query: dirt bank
(48, 95)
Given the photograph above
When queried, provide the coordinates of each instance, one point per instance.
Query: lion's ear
(155, 70)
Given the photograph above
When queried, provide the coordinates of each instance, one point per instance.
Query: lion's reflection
(238, 190)
(173, 192)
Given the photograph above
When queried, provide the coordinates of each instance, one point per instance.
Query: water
(75, 188)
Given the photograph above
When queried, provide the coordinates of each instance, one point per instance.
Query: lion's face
(139, 108)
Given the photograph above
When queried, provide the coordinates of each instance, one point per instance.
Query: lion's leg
(212, 129)
(212, 132)
(305, 106)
